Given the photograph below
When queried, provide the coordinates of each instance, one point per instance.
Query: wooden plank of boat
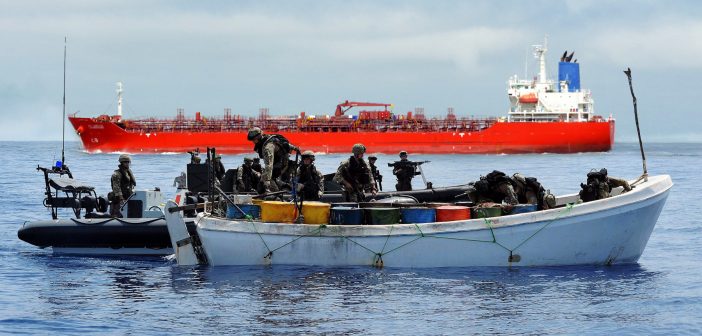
(180, 238)
(609, 231)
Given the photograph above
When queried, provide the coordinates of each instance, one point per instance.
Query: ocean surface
(43, 293)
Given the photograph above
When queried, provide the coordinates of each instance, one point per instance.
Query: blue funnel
(569, 72)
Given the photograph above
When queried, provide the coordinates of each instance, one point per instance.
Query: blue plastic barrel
(418, 215)
(522, 208)
(346, 216)
(344, 205)
(249, 209)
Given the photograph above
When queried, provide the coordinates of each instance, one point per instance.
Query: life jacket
(310, 179)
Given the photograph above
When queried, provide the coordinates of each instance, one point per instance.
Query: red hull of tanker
(500, 138)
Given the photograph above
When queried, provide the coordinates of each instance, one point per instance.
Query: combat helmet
(254, 132)
(358, 148)
(403, 153)
(124, 158)
(372, 158)
(248, 159)
(308, 154)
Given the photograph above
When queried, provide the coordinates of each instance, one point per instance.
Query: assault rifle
(406, 163)
(414, 164)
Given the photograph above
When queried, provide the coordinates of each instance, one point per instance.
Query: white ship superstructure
(543, 99)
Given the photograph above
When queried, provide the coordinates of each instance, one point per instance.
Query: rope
(569, 207)
(378, 256)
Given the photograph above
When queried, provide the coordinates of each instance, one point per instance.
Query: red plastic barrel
(448, 213)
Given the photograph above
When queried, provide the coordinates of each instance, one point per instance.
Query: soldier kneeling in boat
(495, 187)
(599, 186)
(310, 182)
(530, 191)
(354, 176)
(246, 177)
(123, 183)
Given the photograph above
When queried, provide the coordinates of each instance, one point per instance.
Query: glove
(320, 194)
(299, 187)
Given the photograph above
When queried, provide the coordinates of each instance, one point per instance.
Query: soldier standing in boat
(405, 171)
(246, 177)
(376, 174)
(275, 150)
(219, 170)
(354, 176)
(310, 183)
(123, 183)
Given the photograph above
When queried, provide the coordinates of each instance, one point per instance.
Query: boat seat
(69, 185)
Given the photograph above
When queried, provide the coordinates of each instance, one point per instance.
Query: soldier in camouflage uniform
(310, 183)
(354, 176)
(405, 172)
(246, 177)
(275, 150)
(376, 174)
(123, 183)
(530, 191)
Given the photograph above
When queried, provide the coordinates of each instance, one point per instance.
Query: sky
(293, 56)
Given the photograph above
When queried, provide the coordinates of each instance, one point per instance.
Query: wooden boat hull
(609, 231)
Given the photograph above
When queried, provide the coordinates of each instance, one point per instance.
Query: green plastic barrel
(380, 216)
(486, 212)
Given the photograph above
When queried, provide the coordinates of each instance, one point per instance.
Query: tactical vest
(126, 182)
(281, 152)
(357, 172)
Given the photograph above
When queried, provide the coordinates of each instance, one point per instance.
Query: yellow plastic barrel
(278, 212)
(316, 212)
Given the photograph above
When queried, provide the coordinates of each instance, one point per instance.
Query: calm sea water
(42, 293)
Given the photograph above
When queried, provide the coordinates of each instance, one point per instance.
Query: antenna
(63, 130)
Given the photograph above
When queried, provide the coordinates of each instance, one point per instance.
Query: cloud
(658, 45)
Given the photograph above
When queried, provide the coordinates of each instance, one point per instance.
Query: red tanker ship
(545, 116)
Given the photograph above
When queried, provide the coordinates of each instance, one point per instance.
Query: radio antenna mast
(63, 130)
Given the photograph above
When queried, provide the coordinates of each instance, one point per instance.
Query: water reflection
(306, 299)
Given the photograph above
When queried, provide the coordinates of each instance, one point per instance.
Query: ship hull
(500, 138)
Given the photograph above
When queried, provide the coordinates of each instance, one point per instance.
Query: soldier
(354, 176)
(310, 183)
(376, 174)
(405, 171)
(599, 185)
(219, 167)
(494, 187)
(123, 183)
(275, 150)
(247, 178)
(530, 191)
